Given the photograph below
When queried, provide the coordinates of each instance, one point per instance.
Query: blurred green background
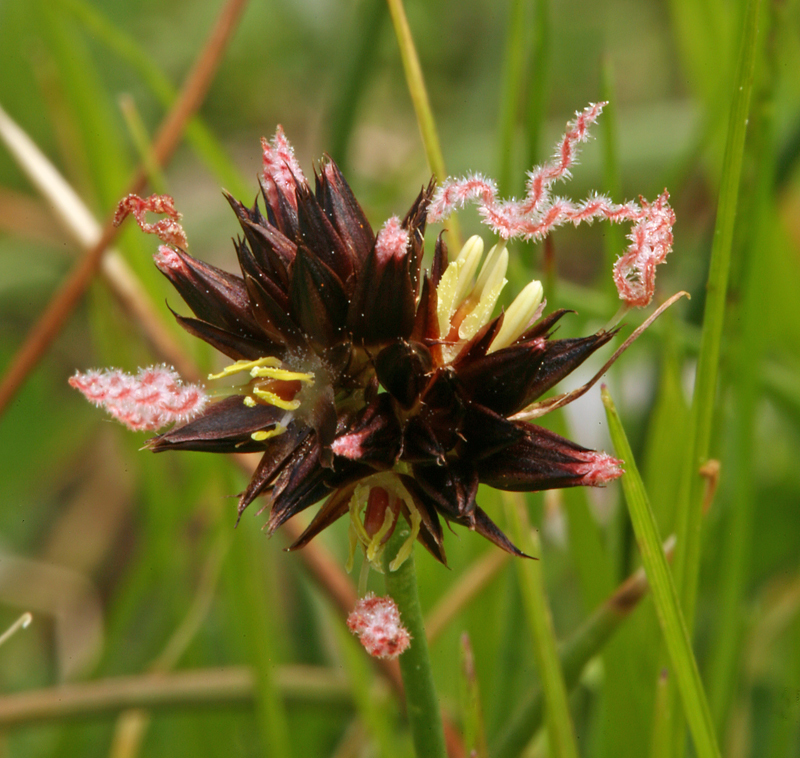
(129, 561)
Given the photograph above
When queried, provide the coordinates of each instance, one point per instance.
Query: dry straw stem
(169, 135)
(233, 685)
(86, 232)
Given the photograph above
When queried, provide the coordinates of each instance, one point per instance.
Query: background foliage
(129, 561)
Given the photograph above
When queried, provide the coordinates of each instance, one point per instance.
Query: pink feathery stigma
(651, 241)
(349, 446)
(506, 217)
(392, 241)
(281, 169)
(150, 400)
(167, 229)
(166, 259)
(538, 213)
(598, 468)
(376, 621)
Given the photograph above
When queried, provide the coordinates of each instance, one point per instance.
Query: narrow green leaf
(539, 68)
(252, 602)
(511, 95)
(673, 626)
(474, 729)
(422, 106)
(583, 645)
(689, 511)
(754, 277)
(687, 558)
(560, 729)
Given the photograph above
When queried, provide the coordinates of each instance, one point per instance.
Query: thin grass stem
(665, 596)
(560, 729)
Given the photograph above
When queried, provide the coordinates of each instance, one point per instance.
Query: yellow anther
(239, 366)
(282, 374)
(487, 290)
(267, 434)
(272, 399)
(482, 312)
(493, 270)
(469, 258)
(518, 315)
(456, 281)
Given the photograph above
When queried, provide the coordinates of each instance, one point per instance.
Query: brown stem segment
(61, 305)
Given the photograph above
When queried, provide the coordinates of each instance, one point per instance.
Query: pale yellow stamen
(282, 374)
(487, 290)
(272, 399)
(518, 315)
(493, 268)
(469, 259)
(267, 434)
(456, 282)
(239, 366)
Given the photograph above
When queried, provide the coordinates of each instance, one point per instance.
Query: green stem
(422, 106)
(422, 704)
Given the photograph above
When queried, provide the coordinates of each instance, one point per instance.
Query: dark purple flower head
(364, 381)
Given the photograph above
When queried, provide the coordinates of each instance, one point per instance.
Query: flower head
(362, 380)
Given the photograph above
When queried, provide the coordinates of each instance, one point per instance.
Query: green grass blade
(422, 106)
(687, 558)
(689, 511)
(560, 729)
(511, 95)
(128, 49)
(539, 80)
(360, 64)
(257, 623)
(417, 90)
(734, 561)
(665, 596)
(583, 645)
(474, 729)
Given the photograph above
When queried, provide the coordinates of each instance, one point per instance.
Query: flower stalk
(422, 703)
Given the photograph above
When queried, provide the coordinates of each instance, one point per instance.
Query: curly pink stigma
(392, 241)
(651, 241)
(376, 621)
(167, 230)
(281, 169)
(539, 212)
(150, 400)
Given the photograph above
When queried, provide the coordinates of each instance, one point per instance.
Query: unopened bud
(519, 315)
